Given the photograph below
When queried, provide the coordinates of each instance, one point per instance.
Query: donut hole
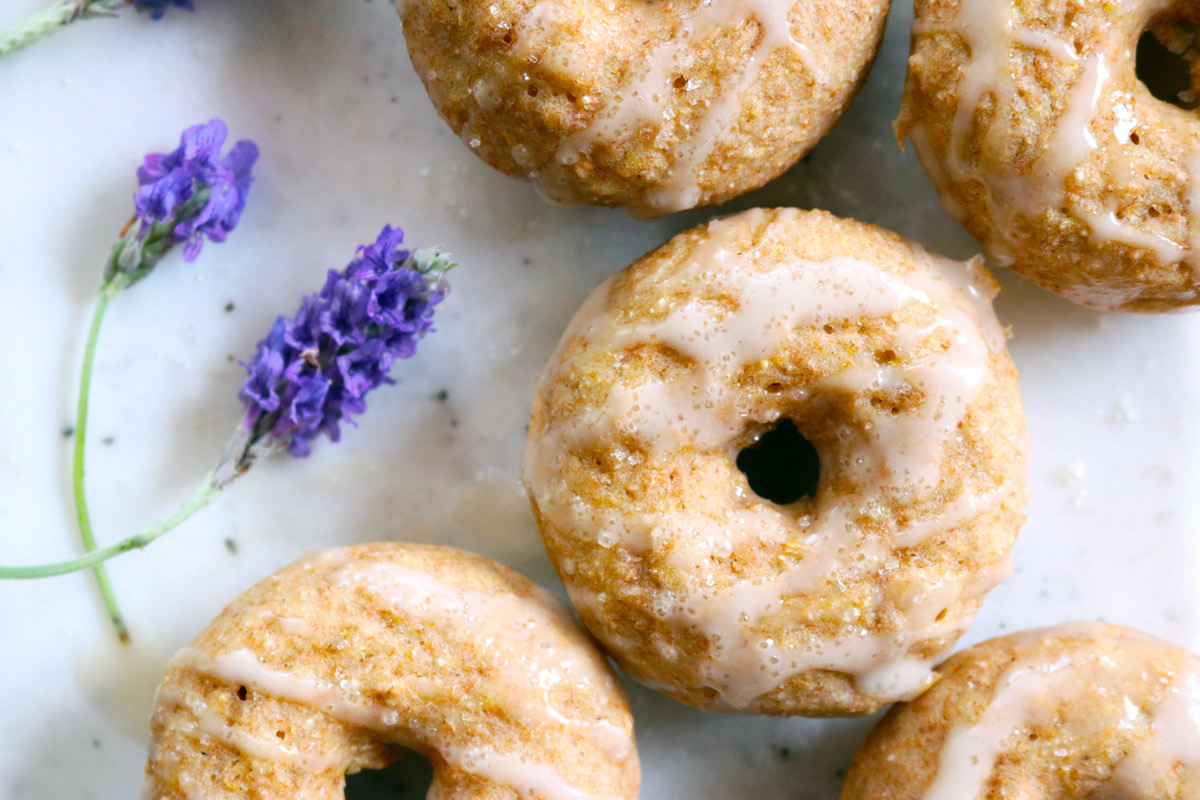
(781, 465)
(1165, 67)
(407, 778)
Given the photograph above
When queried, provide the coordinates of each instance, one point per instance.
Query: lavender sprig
(184, 197)
(312, 372)
(65, 12)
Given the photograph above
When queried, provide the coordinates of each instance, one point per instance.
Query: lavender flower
(188, 195)
(310, 373)
(158, 7)
(314, 371)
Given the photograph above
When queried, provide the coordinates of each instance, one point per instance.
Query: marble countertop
(350, 142)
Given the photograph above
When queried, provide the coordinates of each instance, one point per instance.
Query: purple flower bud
(193, 193)
(314, 371)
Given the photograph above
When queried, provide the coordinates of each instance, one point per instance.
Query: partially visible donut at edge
(1030, 119)
(889, 360)
(348, 657)
(1081, 711)
(649, 106)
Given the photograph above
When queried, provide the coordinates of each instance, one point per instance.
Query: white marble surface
(350, 142)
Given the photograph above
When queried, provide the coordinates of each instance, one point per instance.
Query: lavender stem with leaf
(312, 372)
(64, 12)
(185, 197)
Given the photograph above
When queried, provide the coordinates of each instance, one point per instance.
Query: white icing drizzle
(1035, 692)
(990, 32)
(644, 99)
(525, 664)
(969, 754)
(209, 723)
(1174, 739)
(1193, 204)
(899, 455)
(1107, 226)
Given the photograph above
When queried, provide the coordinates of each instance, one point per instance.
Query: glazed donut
(887, 359)
(1083, 711)
(339, 661)
(1032, 123)
(649, 106)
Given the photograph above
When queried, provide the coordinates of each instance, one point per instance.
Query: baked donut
(1032, 123)
(887, 359)
(338, 662)
(649, 106)
(1083, 711)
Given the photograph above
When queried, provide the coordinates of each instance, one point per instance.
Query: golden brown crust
(1107, 221)
(625, 522)
(344, 659)
(1064, 744)
(527, 85)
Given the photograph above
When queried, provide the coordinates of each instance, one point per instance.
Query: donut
(345, 659)
(888, 360)
(1032, 123)
(649, 106)
(1082, 711)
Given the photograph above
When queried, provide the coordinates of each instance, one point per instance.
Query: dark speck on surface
(785, 753)
(527, 261)
(95, 744)
(231, 546)
(442, 396)
(68, 432)
(454, 422)
(107, 440)
(228, 307)
(395, 99)
(840, 773)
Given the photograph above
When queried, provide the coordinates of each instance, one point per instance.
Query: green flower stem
(108, 291)
(203, 496)
(39, 25)
(45, 22)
